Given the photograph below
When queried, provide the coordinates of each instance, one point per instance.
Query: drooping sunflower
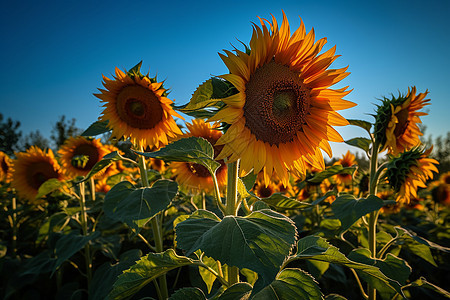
(347, 160)
(284, 110)
(79, 155)
(136, 107)
(409, 171)
(396, 122)
(196, 176)
(31, 169)
(5, 167)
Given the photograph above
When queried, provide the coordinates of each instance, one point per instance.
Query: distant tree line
(12, 140)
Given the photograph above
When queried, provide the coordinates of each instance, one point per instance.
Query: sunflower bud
(409, 171)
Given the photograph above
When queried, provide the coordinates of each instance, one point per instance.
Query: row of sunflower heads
(29, 170)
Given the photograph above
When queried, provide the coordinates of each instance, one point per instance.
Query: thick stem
(231, 209)
(87, 251)
(373, 182)
(156, 229)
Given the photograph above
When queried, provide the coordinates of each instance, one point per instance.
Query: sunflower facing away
(397, 118)
(136, 106)
(5, 167)
(79, 155)
(196, 176)
(31, 169)
(409, 171)
(284, 111)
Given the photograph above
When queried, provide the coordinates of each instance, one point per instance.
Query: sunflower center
(4, 166)
(139, 107)
(276, 105)
(264, 191)
(39, 173)
(85, 156)
(403, 122)
(198, 170)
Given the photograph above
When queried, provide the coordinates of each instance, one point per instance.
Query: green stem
(373, 182)
(217, 193)
(92, 186)
(156, 229)
(231, 209)
(87, 251)
(14, 227)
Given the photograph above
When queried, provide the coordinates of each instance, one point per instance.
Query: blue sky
(55, 52)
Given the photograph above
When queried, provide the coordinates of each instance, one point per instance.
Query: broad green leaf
(107, 274)
(259, 241)
(280, 201)
(191, 293)
(317, 248)
(317, 268)
(360, 123)
(423, 283)
(238, 291)
(49, 186)
(348, 209)
(422, 240)
(192, 149)
(202, 97)
(96, 128)
(291, 284)
(207, 276)
(144, 271)
(360, 142)
(335, 297)
(328, 172)
(103, 163)
(249, 180)
(41, 263)
(135, 206)
(69, 244)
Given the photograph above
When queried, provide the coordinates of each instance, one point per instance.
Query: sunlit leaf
(423, 283)
(360, 142)
(207, 276)
(49, 186)
(360, 123)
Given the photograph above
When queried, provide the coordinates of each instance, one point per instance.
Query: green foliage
(96, 128)
(238, 291)
(360, 142)
(360, 123)
(331, 171)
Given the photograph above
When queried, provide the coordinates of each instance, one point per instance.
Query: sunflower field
(237, 202)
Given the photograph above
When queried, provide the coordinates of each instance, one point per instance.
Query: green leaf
(360, 142)
(396, 269)
(238, 291)
(136, 70)
(201, 98)
(249, 180)
(279, 201)
(107, 274)
(335, 297)
(207, 276)
(192, 149)
(135, 206)
(319, 200)
(328, 172)
(144, 271)
(291, 284)
(103, 163)
(360, 123)
(422, 240)
(49, 186)
(317, 248)
(69, 244)
(423, 283)
(191, 293)
(250, 276)
(348, 209)
(259, 241)
(97, 128)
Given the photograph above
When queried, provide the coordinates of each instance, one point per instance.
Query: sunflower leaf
(259, 241)
(360, 142)
(279, 201)
(207, 94)
(291, 284)
(191, 293)
(318, 249)
(238, 291)
(136, 206)
(144, 271)
(97, 128)
(423, 283)
(360, 123)
(103, 163)
(192, 149)
(328, 172)
(207, 276)
(49, 186)
(348, 209)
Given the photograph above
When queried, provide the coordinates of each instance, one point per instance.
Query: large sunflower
(136, 106)
(409, 171)
(5, 167)
(397, 119)
(31, 169)
(196, 176)
(284, 110)
(79, 155)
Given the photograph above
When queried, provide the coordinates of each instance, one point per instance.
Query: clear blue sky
(54, 53)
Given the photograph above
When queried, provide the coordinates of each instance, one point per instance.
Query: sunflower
(79, 155)
(5, 167)
(445, 178)
(196, 176)
(347, 160)
(396, 121)
(283, 113)
(409, 171)
(136, 106)
(31, 169)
